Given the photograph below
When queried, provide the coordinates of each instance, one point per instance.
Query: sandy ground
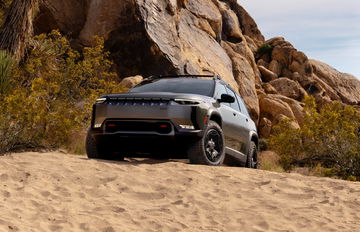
(58, 192)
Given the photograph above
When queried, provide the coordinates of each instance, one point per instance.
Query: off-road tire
(198, 153)
(252, 157)
(97, 151)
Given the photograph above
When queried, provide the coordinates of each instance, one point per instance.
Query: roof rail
(215, 77)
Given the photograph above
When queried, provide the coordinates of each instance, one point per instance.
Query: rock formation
(147, 37)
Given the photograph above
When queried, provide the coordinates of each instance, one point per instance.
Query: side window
(243, 106)
(235, 104)
(220, 90)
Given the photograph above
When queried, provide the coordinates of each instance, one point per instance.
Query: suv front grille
(138, 102)
(138, 126)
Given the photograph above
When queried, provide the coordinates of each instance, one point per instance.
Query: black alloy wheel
(213, 145)
(210, 149)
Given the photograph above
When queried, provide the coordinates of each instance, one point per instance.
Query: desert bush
(264, 49)
(6, 67)
(52, 93)
(329, 138)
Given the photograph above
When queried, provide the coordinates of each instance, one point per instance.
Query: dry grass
(76, 142)
(269, 161)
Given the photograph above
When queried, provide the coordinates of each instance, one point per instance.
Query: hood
(157, 95)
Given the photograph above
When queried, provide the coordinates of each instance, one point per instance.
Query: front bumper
(131, 143)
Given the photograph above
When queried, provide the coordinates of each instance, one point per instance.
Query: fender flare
(215, 114)
(253, 134)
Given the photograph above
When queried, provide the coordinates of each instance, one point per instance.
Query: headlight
(97, 125)
(100, 100)
(189, 127)
(186, 102)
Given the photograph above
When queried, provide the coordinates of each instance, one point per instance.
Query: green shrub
(286, 141)
(53, 92)
(264, 49)
(329, 137)
(6, 66)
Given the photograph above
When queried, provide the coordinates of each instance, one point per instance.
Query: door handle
(247, 119)
(234, 114)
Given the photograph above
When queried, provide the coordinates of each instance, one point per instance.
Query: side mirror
(227, 98)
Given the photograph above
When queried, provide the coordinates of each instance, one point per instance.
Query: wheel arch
(215, 116)
(254, 138)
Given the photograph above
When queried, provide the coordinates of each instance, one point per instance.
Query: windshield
(177, 85)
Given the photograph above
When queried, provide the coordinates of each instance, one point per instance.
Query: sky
(326, 30)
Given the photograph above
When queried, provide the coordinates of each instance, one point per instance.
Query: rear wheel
(210, 149)
(98, 151)
(252, 159)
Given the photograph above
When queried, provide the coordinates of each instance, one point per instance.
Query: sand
(60, 192)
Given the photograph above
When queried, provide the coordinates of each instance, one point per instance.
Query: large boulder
(326, 89)
(289, 88)
(302, 68)
(231, 27)
(266, 74)
(208, 13)
(247, 24)
(275, 67)
(69, 16)
(188, 48)
(346, 86)
(271, 106)
(265, 126)
(263, 63)
(268, 88)
(286, 60)
(299, 56)
(244, 50)
(282, 54)
(102, 19)
(296, 108)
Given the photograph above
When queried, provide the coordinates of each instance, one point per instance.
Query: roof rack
(154, 77)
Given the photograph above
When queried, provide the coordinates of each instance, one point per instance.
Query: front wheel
(210, 149)
(98, 151)
(252, 159)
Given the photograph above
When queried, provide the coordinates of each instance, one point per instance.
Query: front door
(232, 125)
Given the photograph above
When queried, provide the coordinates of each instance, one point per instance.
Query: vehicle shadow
(140, 161)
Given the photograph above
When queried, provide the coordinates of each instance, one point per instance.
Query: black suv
(199, 117)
